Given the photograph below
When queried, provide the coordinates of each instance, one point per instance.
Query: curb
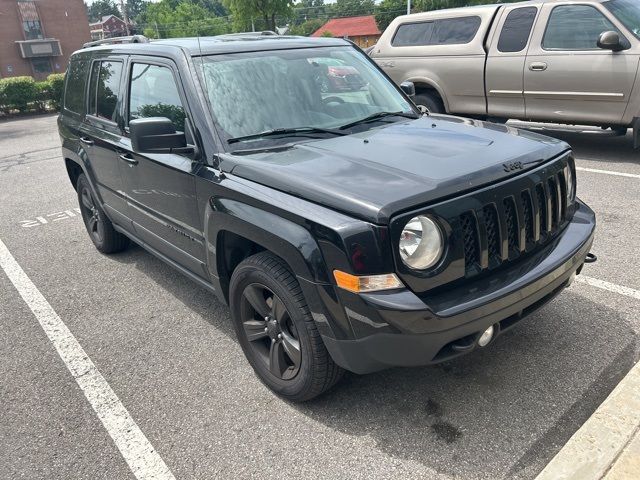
(608, 444)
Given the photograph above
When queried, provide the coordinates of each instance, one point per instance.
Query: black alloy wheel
(276, 330)
(91, 215)
(270, 330)
(101, 231)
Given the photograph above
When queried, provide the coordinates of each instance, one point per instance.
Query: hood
(375, 174)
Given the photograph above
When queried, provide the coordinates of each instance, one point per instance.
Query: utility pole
(408, 7)
(125, 17)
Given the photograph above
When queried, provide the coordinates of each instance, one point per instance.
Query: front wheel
(276, 331)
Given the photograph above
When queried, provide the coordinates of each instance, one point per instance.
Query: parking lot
(167, 349)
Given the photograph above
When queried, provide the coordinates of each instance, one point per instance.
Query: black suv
(344, 228)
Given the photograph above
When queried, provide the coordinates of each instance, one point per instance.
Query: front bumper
(398, 328)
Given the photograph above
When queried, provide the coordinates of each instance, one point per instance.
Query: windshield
(628, 12)
(311, 88)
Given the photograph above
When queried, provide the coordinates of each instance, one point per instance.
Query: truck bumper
(417, 331)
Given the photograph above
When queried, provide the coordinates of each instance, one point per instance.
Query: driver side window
(575, 27)
(153, 93)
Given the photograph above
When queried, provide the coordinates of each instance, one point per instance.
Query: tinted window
(446, 31)
(104, 89)
(76, 79)
(575, 27)
(516, 29)
(153, 93)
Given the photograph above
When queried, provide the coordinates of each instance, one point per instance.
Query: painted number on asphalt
(50, 217)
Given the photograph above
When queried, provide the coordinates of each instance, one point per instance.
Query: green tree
(136, 9)
(265, 10)
(101, 8)
(388, 10)
(182, 18)
(352, 8)
(307, 28)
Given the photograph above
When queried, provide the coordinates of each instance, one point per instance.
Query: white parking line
(143, 460)
(611, 287)
(608, 172)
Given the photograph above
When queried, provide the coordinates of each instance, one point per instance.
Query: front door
(567, 78)
(160, 188)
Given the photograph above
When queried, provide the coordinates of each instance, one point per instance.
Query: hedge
(25, 94)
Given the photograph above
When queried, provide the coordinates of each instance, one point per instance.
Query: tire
(99, 227)
(430, 101)
(271, 318)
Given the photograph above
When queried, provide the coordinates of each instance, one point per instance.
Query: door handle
(538, 66)
(86, 141)
(127, 158)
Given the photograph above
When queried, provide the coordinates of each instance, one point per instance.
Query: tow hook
(590, 258)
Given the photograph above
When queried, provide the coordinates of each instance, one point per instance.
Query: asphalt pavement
(167, 349)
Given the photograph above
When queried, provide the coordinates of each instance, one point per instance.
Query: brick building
(38, 36)
(109, 27)
(363, 30)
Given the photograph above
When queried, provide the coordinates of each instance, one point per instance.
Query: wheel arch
(427, 85)
(74, 170)
(235, 230)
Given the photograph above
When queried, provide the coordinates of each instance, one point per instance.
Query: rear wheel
(430, 101)
(276, 331)
(100, 229)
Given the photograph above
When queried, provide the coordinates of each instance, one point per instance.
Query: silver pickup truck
(572, 62)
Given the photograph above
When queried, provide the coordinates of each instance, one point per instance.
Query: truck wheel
(430, 101)
(276, 331)
(100, 229)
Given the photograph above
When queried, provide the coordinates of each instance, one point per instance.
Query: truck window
(516, 29)
(153, 93)
(105, 89)
(575, 27)
(76, 79)
(446, 31)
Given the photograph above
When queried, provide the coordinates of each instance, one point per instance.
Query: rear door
(102, 133)
(160, 188)
(567, 78)
(506, 59)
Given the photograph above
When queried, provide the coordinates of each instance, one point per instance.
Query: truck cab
(561, 61)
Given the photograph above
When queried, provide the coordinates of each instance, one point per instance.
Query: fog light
(486, 337)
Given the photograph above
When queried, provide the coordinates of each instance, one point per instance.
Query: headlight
(421, 243)
(571, 184)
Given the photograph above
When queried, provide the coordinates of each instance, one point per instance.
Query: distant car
(556, 61)
(344, 230)
(341, 77)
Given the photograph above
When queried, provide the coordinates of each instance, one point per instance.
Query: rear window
(105, 89)
(516, 29)
(76, 80)
(445, 31)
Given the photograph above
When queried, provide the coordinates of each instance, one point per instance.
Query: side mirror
(157, 135)
(409, 89)
(610, 41)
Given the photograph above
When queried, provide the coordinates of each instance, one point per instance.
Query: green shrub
(17, 93)
(56, 89)
(43, 95)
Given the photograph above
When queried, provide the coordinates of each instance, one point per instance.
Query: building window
(32, 30)
(41, 65)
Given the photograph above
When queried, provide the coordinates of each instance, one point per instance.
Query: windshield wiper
(377, 116)
(285, 132)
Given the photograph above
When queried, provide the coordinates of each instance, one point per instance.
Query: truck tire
(100, 229)
(276, 331)
(430, 101)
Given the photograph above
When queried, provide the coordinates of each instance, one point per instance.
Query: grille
(504, 230)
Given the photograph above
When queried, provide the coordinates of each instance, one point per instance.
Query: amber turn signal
(366, 283)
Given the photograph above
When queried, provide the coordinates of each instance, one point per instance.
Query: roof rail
(265, 33)
(116, 40)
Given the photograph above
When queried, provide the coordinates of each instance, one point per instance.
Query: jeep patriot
(344, 228)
